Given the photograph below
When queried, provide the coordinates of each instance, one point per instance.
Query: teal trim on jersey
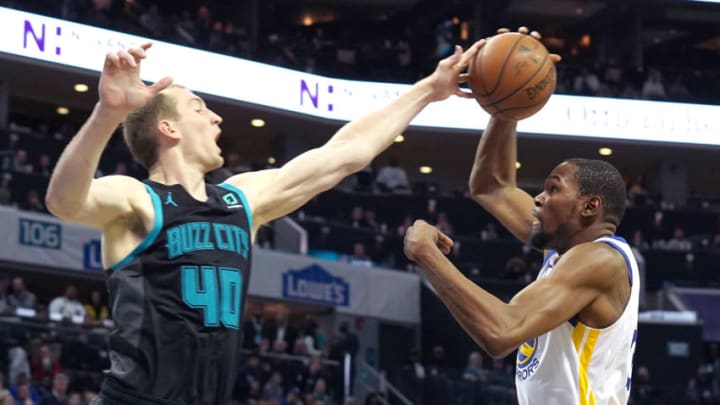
(150, 238)
(246, 206)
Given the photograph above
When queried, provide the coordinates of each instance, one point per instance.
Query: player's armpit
(109, 198)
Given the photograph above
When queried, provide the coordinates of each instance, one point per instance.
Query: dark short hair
(600, 178)
(140, 126)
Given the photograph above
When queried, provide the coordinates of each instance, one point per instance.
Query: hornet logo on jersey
(231, 201)
(527, 362)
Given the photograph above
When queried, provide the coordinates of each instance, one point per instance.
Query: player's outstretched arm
(73, 195)
(278, 192)
(582, 275)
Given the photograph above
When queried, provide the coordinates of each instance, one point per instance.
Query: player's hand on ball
(451, 72)
(525, 30)
(421, 237)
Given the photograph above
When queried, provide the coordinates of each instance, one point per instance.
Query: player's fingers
(523, 30)
(146, 46)
(161, 84)
(470, 53)
(127, 59)
(444, 248)
(112, 61)
(536, 35)
(503, 30)
(137, 53)
(444, 239)
(555, 58)
(463, 77)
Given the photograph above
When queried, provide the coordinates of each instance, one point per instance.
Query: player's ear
(166, 128)
(591, 206)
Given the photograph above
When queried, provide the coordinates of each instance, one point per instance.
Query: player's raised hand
(525, 30)
(121, 90)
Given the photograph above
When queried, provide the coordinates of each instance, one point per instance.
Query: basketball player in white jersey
(575, 327)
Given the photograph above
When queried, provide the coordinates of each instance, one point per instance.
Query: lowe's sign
(315, 284)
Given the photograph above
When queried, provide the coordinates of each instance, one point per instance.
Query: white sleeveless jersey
(576, 364)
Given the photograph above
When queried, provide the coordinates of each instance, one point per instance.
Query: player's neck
(193, 181)
(588, 234)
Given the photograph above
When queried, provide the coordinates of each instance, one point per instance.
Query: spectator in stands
(89, 396)
(701, 389)
(58, 394)
(586, 83)
(444, 225)
(638, 241)
(67, 306)
(357, 217)
(320, 393)
(74, 398)
(500, 383)
(33, 202)
(359, 255)
(96, 311)
(24, 396)
(21, 165)
(653, 88)
(153, 21)
(679, 242)
(6, 397)
(273, 389)
(715, 244)
(643, 391)
(292, 397)
(474, 370)
(4, 304)
(23, 392)
(6, 189)
(516, 269)
(311, 374)
(392, 178)
(21, 297)
(370, 221)
(19, 367)
(489, 232)
(45, 366)
(253, 331)
(234, 164)
(404, 225)
(431, 212)
(677, 90)
(281, 331)
(637, 193)
(438, 362)
(100, 14)
(44, 165)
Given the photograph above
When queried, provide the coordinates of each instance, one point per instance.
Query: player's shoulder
(599, 263)
(121, 182)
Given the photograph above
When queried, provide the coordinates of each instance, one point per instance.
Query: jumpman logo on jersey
(169, 199)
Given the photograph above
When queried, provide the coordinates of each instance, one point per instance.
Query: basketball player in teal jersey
(177, 250)
(575, 327)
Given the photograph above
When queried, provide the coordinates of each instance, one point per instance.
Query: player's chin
(539, 239)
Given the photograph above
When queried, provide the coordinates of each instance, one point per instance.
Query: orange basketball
(512, 76)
